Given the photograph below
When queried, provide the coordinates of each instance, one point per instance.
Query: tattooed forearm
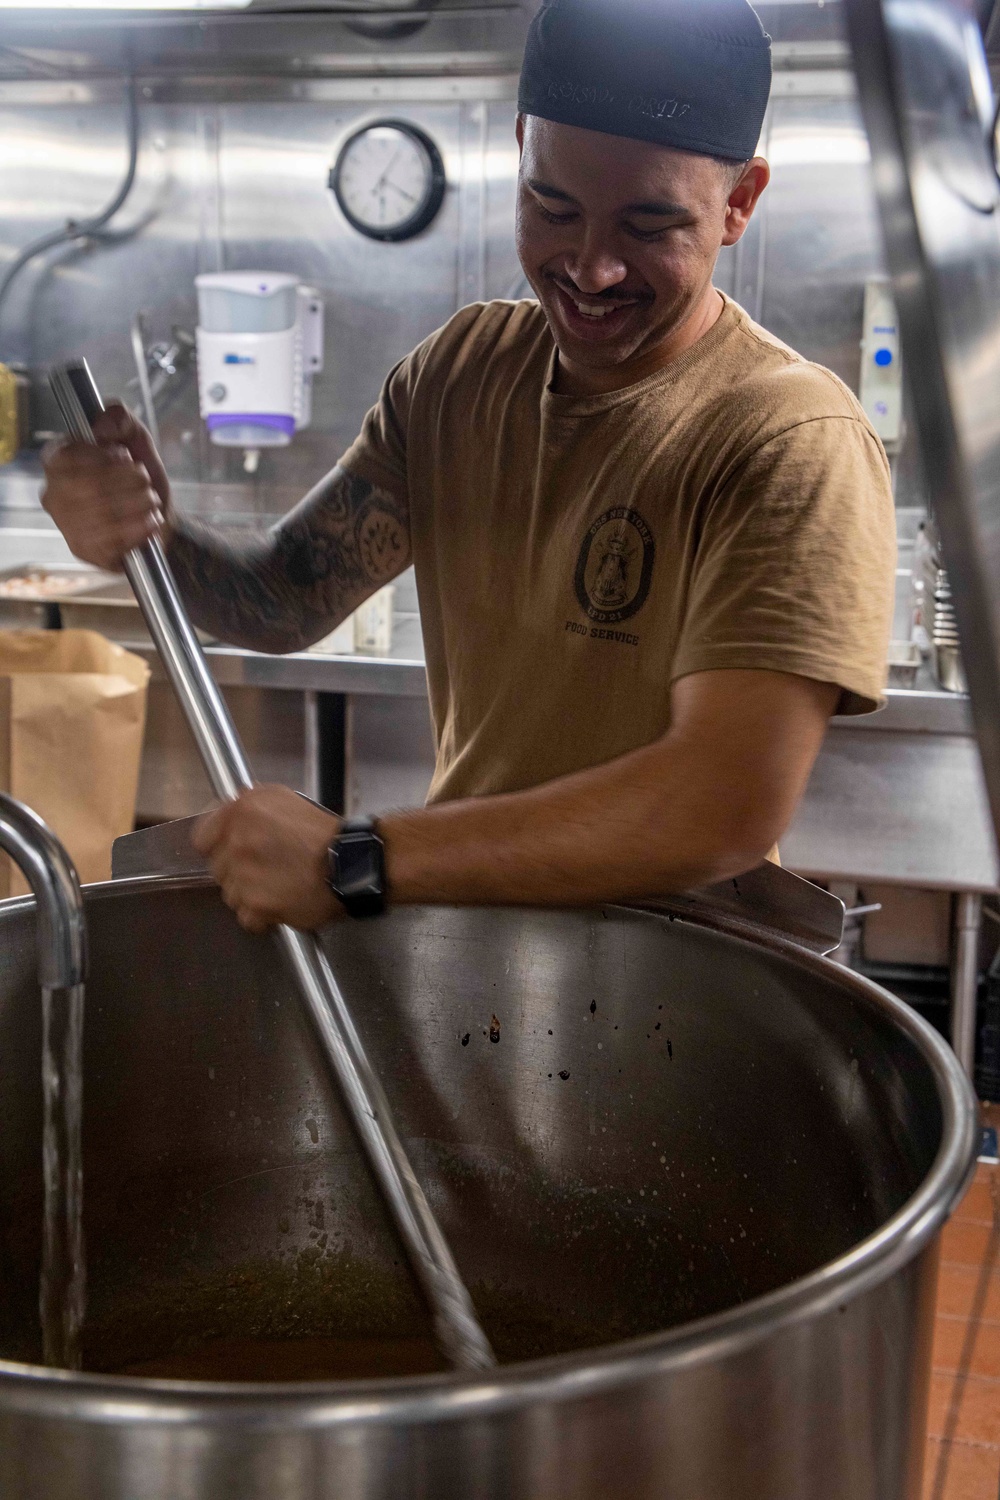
(287, 589)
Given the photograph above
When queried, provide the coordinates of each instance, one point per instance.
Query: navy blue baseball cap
(691, 74)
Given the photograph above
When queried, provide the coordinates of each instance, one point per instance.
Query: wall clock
(389, 180)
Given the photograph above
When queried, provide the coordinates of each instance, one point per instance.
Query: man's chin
(595, 354)
(589, 353)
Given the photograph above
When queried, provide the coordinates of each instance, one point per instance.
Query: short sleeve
(378, 454)
(794, 568)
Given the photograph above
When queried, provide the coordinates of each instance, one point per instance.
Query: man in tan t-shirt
(654, 547)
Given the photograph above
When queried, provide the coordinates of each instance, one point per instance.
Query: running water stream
(63, 1289)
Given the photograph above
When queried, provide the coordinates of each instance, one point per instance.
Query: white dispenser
(260, 342)
(881, 392)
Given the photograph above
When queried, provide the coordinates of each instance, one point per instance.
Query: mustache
(614, 296)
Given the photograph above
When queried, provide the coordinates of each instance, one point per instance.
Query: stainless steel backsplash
(233, 174)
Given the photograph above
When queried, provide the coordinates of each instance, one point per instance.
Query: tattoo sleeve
(284, 590)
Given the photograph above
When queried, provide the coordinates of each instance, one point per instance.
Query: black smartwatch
(357, 868)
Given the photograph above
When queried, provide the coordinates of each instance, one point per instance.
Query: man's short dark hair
(732, 171)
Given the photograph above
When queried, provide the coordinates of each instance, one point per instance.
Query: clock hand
(401, 191)
(385, 175)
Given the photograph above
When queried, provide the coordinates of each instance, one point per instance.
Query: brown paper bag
(72, 716)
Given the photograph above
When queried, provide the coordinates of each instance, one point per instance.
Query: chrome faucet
(62, 931)
(62, 969)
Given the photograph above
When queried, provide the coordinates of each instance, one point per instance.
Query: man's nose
(595, 267)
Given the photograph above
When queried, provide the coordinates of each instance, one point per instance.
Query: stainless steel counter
(899, 798)
(896, 797)
(926, 710)
(401, 674)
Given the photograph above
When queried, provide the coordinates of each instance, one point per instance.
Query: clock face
(389, 180)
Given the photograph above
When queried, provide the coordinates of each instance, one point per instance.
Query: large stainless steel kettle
(694, 1180)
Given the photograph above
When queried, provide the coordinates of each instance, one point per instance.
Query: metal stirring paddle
(456, 1326)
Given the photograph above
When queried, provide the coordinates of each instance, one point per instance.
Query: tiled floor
(963, 1442)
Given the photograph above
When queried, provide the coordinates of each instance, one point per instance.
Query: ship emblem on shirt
(615, 566)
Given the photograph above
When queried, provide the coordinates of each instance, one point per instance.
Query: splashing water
(63, 1289)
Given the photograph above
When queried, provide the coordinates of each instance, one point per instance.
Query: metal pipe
(455, 1323)
(312, 781)
(48, 869)
(138, 335)
(965, 978)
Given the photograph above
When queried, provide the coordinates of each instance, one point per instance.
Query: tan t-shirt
(575, 556)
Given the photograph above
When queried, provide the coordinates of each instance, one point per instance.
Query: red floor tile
(978, 1204)
(963, 1448)
(957, 1287)
(969, 1243)
(950, 1336)
(961, 1471)
(965, 1408)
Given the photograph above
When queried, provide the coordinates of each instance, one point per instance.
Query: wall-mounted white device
(260, 342)
(881, 392)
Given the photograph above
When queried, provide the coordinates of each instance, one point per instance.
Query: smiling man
(654, 547)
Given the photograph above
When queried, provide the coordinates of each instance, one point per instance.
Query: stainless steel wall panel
(822, 230)
(67, 161)
(740, 269)
(239, 186)
(241, 182)
(817, 71)
(473, 134)
(226, 88)
(382, 299)
(504, 277)
(473, 39)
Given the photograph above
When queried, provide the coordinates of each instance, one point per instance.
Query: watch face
(389, 180)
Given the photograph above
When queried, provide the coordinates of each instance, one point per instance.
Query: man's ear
(744, 199)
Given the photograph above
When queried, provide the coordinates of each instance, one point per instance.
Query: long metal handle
(456, 1327)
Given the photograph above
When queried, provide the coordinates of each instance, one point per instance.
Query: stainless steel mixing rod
(455, 1323)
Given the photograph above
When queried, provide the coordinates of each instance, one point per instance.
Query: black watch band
(357, 868)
